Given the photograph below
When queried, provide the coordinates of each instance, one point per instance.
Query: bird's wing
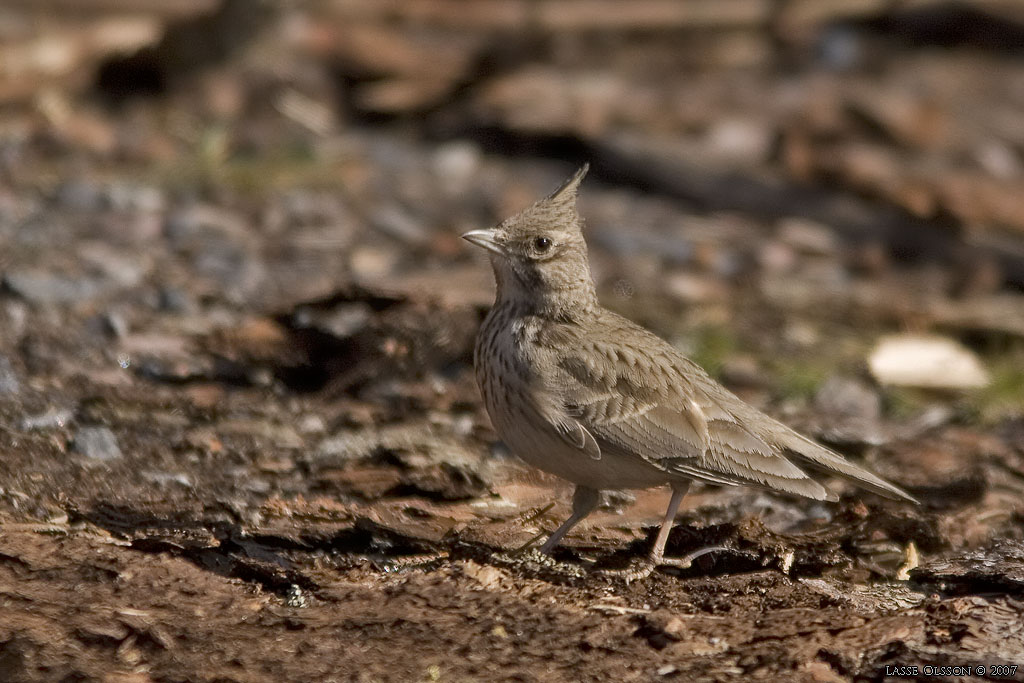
(577, 436)
(815, 456)
(790, 445)
(638, 397)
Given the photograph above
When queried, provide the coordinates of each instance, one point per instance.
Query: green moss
(711, 346)
(211, 165)
(903, 403)
(1003, 398)
(802, 380)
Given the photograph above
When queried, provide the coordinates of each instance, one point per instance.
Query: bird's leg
(584, 500)
(657, 555)
(657, 558)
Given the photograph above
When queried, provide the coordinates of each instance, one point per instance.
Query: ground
(240, 438)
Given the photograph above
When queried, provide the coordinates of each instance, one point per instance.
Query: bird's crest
(567, 190)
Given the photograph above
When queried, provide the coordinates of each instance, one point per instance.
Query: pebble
(14, 319)
(456, 164)
(196, 224)
(126, 196)
(843, 396)
(164, 479)
(96, 443)
(118, 269)
(926, 361)
(346, 320)
(114, 325)
(79, 195)
(174, 300)
(369, 262)
(312, 424)
(240, 275)
(399, 223)
(850, 410)
(54, 417)
(694, 288)
(807, 236)
(841, 48)
(739, 141)
(9, 383)
(42, 287)
(296, 597)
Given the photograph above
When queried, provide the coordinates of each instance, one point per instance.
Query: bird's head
(539, 255)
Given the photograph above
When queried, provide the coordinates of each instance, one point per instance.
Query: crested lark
(587, 395)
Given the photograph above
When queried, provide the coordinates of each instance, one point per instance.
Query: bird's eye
(542, 244)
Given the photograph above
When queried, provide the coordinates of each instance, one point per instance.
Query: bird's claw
(641, 568)
(638, 569)
(529, 544)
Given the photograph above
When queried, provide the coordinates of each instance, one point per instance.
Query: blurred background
(232, 287)
(775, 186)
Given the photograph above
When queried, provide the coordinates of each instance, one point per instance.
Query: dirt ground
(240, 438)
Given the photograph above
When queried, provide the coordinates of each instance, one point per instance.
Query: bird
(583, 393)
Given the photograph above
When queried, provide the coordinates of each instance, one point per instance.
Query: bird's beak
(485, 239)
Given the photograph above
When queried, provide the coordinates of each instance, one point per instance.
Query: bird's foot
(686, 561)
(641, 568)
(529, 544)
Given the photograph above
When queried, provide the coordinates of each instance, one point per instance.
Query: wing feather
(645, 400)
(635, 396)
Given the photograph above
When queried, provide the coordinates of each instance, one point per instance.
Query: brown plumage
(585, 394)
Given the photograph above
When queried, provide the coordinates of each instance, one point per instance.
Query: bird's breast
(514, 393)
(503, 372)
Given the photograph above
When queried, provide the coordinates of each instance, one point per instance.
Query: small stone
(115, 268)
(122, 196)
(368, 262)
(808, 236)
(174, 300)
(48, 420)
(739, 141)
(163, 479)
(842, 396)
(841, 48)
(346, 320)
(9, 383)
(15, 320)
(114, 325)
(456, 164)
(399, 223)
(312, 424)
(999, 160)
(926, 361)
(694, 288)
(296, 597)
(97, 443)
(463, 425)
(78, 195)
(850, 411)
(616, 501)
(777, 257)
(191, 226)
(42, 287)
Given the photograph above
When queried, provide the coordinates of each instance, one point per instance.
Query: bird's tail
(818, 457)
